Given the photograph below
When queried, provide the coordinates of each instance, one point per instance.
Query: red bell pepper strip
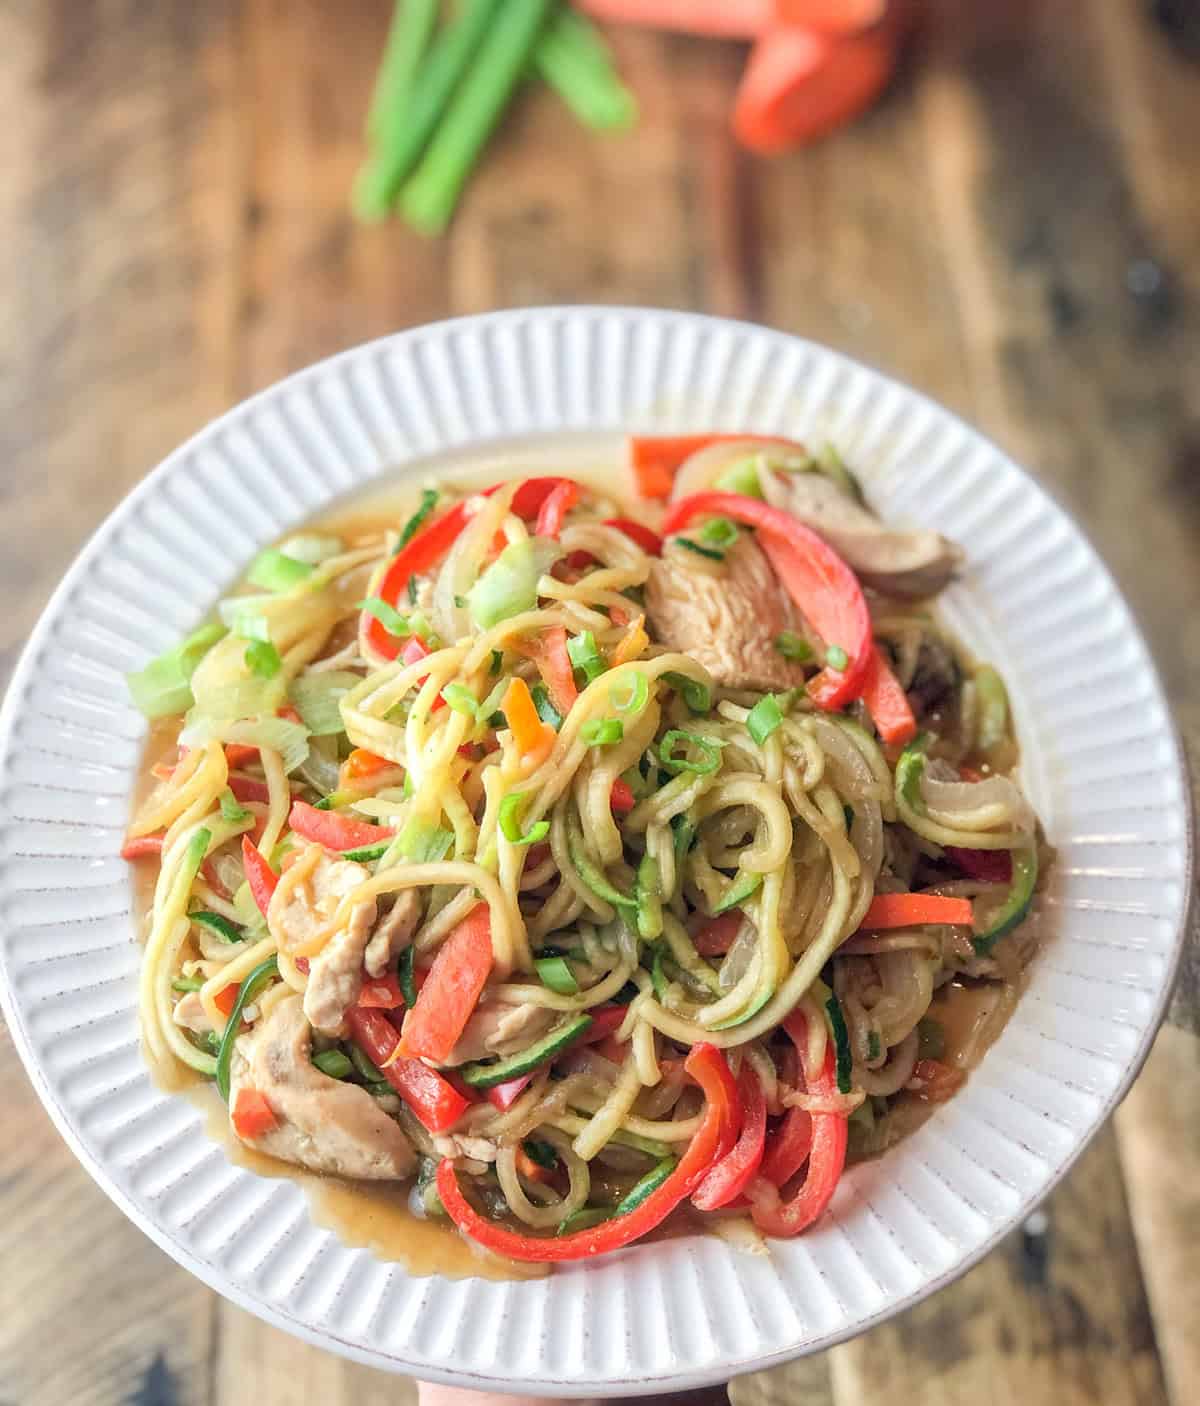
(557, 505)
(457, 976)
(622, 798)
(248, 788)
(548, 650)
(816, 578)
(251, 1115)
(790, 1142)
(638, 532)
(503, 1096)
(716, 937)
(334, 831)
(887, 702)
(910, 910)
(737, 1169)
(381, 993)
(143, 847)
(707, 1066)
(435, 1101)
(826, 1158)
(993, 866)
(605, 1020)
(424, 551)
(259, 875)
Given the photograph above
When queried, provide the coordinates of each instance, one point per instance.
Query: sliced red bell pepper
(911, 910)
(729, 1177)
(717, 936)
(605, 1020)
(503, 1096)
(638, 532)
(143, 847)
(887, 702)
(548, 650)
(622, 798)
(993, 866)
(435, 1101)
(555, 508)
(817, 579)
(381, 992)
(707, 1066)
(334, 831)
(251, 1115)
(789, 1143)
(457, 976)
(826, 1158)
(259, 875)
(248, 788)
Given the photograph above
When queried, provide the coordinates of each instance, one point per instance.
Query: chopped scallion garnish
(602, 732)
(545, 709)
(584, 656)
(709, 747)
(231, 810)
(719, 532)
(387, 615)
(460, 698)
(262, 659)
(697, 695)
(763, 719)
(429, 499)
(276, 571)
(510, 821)
(630, 693)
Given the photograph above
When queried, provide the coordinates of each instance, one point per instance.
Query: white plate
(1102, 765)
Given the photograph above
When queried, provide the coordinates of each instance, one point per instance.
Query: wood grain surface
(1015, 230)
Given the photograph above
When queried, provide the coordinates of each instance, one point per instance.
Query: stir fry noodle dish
(582, 858)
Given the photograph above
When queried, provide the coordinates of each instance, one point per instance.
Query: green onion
(710, 747)
(276, 571)
(697, 695)
(510, 821)
(405, 978)
(215, 923)
(186, 983)
(743, 887)
(401, 143)
(557, 975)
(684, 832)
(422, 842)
(545, 709)
(413, 23)
(540, 1152)
(719, 532)
(248, 990)
(629, 693)
(509, 586)
(574, 60)
(460, 698)
(584, 656)
(741, 477)
(875, 1046)
(410, 529)
(764, 718)
(647, 892)
(794, 647)
(698, 549)
(247, 624)
(992, 727)
(311, 548)
(318, 697)
(909, 769)
(334, 1063)
(841, 1041)
(836, 657)
(262, 659)
(430, 197)
(387, 615)
(602, 732)
(196, 850)
(230, 809)
(163, 687)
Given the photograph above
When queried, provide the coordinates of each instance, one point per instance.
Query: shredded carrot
(225, 999)
(360, 764)
(251, 1115)
(528, 730)
(630, 645)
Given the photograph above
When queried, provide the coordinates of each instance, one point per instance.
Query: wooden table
(1015, 230)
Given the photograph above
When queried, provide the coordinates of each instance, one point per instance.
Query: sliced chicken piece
(300, 909)
(501, 1030)
(727, 619)
(191, 1015)
(323, 1124)
(393, 932)
(910, 564)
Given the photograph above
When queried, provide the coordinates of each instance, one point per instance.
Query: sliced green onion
(794, 647)
(557, 975)
(700, 551)
(510, 821)
(186, 983)
(545, 709)
(745, 885)
(334, 1063)
(245, 622)
(311, 548)
(741, 477)
(405, 978)
(460, 699)
(163, 687)
(247, 992)
(764, 718)
(630, 692)
(836, 657)
(992, 727)
(276, 571)
(710, 747)
(422, 842)
(909, 769)
(602, 732)
(684, 832)
(387, 615)
(719, 532)
(231, 810)
(572, 57)
(584, 656)
(262, 659)
(318, 697)
(215, 923)
(429, 498)
(509, 586)
(196, 850)
(697, 695)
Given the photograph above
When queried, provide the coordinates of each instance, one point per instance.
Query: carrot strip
(529, 732)
(251, 1115)
(908, 910)
(451, 990)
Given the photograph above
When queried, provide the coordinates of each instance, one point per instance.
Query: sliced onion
(993, 804)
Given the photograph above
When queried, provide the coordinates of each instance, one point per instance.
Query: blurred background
(1013, 228)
